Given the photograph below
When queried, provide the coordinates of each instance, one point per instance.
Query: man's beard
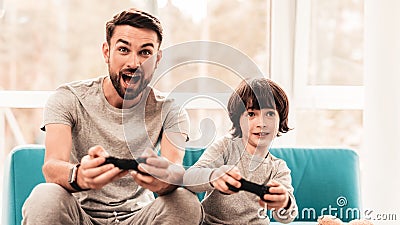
(129, 93)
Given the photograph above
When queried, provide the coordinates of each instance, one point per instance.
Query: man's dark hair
(256, 94)
(135, 18)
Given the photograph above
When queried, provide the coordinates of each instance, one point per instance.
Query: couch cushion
(23, 171)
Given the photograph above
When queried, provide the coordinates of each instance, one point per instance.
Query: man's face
(129, 48)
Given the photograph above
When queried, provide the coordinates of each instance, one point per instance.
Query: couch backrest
(326, 181)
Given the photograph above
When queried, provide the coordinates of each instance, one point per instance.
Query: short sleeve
(60, 108)
(176, 120)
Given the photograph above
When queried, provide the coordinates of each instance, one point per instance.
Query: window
(328, 75)
(46, 43)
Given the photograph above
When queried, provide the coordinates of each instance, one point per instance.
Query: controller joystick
(258, 189)
(126, 164)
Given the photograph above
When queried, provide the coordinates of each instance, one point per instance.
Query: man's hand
(225, 174)
(94, 176)
(165, 176)
(278, 197)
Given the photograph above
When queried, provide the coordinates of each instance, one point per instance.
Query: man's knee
(44, 197)
(49, 192)
(183, 197)
(185, 204)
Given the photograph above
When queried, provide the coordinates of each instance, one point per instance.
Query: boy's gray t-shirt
(123, 133)
(241, 207)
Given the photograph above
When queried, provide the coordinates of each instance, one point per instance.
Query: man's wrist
(73, 178)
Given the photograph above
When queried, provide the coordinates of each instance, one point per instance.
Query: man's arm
(58, 149)
(90, 174)
(173, 146)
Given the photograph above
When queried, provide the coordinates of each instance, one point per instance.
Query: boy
(258, 110)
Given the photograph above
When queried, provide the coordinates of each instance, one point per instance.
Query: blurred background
(315, 49)
(46, 43)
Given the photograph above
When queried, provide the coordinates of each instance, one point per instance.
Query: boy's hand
(278, 197)
(225, 174)
(91, 175)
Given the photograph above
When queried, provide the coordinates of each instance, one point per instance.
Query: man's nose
(133, 61)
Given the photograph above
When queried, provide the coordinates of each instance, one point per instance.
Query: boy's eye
(270, 113)
(250, 114)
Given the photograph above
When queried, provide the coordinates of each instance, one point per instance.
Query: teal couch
(326, 180)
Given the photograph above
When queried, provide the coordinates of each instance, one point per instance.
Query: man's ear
(159, 56)
(106, 52)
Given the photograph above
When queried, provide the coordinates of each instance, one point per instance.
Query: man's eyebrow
(148, 44)
(129, 44)
(124, 42)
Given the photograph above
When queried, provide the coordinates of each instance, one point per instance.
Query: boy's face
(259, 128)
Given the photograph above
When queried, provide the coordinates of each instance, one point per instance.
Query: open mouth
(128, 79)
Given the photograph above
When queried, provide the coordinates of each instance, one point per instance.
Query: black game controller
(254, 188)
(126, 164)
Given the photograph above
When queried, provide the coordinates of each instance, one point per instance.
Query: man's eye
(123, 50)
(145, 52)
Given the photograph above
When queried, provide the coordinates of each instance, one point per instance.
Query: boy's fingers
(232, 181)
(235, 173)
(273, 183)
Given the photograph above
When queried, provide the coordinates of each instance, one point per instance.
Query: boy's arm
(197, 178)
(289, 213)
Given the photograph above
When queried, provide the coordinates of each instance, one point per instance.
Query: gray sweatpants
(52, 204)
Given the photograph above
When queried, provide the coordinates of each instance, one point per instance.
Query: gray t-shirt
(123, 133)
(241, 207)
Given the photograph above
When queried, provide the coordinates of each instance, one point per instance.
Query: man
(116, 115)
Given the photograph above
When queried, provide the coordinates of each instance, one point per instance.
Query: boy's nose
(262, 122)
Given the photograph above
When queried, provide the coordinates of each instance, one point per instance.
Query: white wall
(380, 154)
